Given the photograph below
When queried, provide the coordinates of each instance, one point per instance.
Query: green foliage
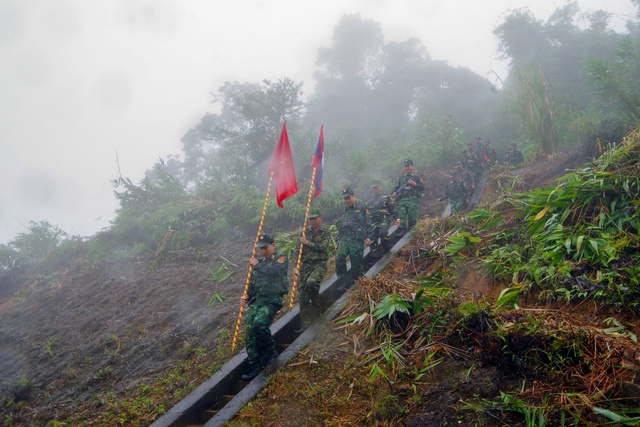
(616, 80)
(389, 305)
(532, 105)
(218, 275)
(579, 237)
(459, 242)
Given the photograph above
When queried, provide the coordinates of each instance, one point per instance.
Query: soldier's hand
(253, 261)
(411, 182)
(244, 299)
(304, 240)
(394, 194)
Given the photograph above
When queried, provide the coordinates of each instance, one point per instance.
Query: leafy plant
(460, 241)
(389, 305)
(218, 275)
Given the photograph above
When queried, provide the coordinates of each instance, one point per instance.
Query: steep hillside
(118, 343)
(444, 337)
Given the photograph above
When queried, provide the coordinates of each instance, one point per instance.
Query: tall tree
(234, 145)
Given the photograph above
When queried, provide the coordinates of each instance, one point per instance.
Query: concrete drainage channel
(219, 398)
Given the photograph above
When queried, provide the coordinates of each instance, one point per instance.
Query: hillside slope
(118, 343)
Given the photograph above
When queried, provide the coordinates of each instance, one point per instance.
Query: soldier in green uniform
(407, 194)
(316, 243)
(354, 229)
(456, 193)
(267, 286)
(382, 210)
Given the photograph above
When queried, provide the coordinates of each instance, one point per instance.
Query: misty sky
(84, 83)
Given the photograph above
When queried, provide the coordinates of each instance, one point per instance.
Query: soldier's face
(350, 200)
(376, 190)
(268, 250)
(408, 168)
(316, 222)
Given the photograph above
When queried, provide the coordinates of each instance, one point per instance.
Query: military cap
(264, 240)
(314, 213)
(375, 183)
(347, 192)
(408, 162)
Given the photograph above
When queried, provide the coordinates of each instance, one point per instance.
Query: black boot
(251, 375)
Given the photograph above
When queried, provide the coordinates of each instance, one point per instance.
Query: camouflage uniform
(457, 195)
(382, 210)
(353, 227)
(267, 286)
(313, 268)
(465, 177)
(407, 197)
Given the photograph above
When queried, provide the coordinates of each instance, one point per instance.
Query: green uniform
(457, 195)
(407, 198)
(382, 210)
(353, 227)
(313, 268)
(267, 286)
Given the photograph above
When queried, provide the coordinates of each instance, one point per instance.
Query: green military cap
(347, 192)
(264, 240)
(408, 162)
(314, 213)
(375, 183)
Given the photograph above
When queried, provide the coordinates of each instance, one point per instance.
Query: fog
(89, 90)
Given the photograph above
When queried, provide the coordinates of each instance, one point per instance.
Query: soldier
(514, 156)
(465, 177)
(315, 252)
(353, 228)
(456, 193)
(382, 209)
(407, 194)
(267, 286)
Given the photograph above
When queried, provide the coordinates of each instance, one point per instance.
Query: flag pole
(296, 272)
(253, 254)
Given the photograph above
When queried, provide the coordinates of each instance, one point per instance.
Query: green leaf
(389, 304)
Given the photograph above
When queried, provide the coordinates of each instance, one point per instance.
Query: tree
(35, 245)
(234, 144)
(617, 81)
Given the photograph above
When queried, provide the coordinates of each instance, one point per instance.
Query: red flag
(282, 170)
(318, 163)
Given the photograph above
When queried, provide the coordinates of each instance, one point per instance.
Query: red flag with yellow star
(282, 170)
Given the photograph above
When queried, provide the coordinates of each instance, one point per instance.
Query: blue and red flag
(318, 162)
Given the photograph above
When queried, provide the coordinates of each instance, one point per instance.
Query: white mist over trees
(572, 80)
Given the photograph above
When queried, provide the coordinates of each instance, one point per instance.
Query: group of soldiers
(475, 159)
(359, 226)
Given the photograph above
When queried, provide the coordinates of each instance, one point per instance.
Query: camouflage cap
(264, 240)
(375, 183)
(314, 213)
(408, 162)
(347, 192)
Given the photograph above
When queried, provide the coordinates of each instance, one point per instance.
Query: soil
(77, 335)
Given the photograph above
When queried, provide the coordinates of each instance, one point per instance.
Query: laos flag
(318, 162)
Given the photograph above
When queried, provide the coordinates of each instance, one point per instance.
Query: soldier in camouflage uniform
(316, 243)
(456, 193)
(354, 228)
(407, 194)
(267, 286)
(382, 210)
(464, 176)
